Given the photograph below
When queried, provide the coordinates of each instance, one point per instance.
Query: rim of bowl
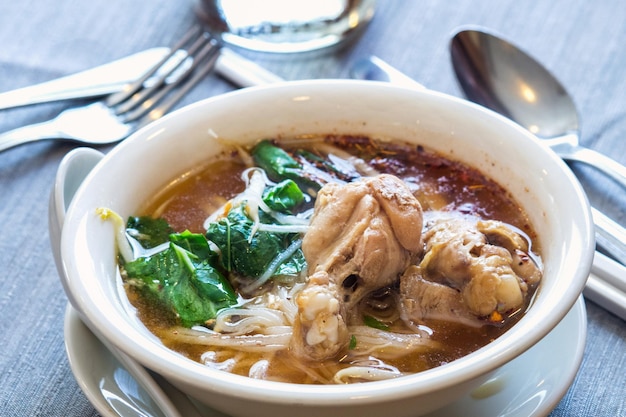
(169, 363)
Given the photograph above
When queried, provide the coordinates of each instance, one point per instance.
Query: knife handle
(243, 72)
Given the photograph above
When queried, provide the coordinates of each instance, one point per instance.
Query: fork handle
(26, 134)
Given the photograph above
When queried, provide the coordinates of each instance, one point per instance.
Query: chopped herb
(352, 342)
(375, 323)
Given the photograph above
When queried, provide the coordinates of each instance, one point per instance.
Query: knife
(110, 78)
(98, 81)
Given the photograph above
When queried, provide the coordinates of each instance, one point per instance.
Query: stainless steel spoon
(496, 74)
(609, 234)
(608, 286)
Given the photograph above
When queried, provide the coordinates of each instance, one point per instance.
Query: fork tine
(203, 62)
(132, 88)
(141, 97)
(211, 55)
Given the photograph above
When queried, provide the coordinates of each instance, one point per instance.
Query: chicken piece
(486, 264)
(523, 265)
(362, 236)
(366, 230)
(320, 327)
(424, 299)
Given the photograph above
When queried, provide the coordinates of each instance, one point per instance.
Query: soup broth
(383, 330)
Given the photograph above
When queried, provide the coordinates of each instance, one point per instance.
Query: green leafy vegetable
(183, 280)
(279, 165)
(375, 323)
(309, 170)
(196, 244)
(149, 232)
(352, 345)
(284, 196)
(344, 172)
(249, 252)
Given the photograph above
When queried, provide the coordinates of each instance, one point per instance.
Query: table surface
(581, 42)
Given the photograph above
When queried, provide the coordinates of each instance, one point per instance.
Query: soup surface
(330, 260)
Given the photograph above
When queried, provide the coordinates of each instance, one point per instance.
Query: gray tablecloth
(581, 41)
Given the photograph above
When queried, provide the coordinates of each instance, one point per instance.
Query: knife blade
(111, 77)
(98, 81)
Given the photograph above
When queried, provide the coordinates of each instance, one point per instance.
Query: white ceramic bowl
(142, 164)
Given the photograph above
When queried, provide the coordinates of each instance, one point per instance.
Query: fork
(136, 105)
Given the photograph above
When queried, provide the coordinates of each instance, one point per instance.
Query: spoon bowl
(498, 75)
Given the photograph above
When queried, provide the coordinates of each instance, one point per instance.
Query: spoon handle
(610, 235)
(375, 69)
(597, 160)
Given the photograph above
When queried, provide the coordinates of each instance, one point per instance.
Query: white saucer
(530, 386)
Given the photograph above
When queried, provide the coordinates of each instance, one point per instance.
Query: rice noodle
(240, 321)
(246, 343)
(366, 373)
(281, 299)
(259, 369)
(280, 228)
(210, 359)
(389, 345)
